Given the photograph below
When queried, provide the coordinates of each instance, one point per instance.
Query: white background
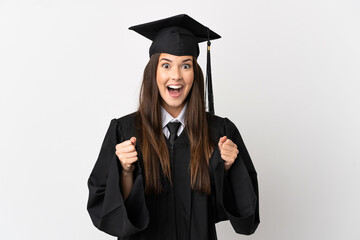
(286, 72)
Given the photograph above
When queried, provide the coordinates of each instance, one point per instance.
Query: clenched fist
(127, 154)
(228, 151)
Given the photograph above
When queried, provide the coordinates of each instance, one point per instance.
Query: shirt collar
(166, 117)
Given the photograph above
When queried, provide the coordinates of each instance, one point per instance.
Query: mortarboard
(179, 35)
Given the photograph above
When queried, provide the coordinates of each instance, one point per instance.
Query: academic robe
(179, 212)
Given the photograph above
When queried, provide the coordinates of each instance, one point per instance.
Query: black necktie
(173, 128)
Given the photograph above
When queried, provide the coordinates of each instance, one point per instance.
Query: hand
(127, 154)
(228, 151)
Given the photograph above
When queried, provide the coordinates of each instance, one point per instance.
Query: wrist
(130, 170)
(227, 168)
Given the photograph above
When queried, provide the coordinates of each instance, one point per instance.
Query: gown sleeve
(106, 207)
(239, 197)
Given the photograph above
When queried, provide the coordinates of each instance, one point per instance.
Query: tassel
(209, 90)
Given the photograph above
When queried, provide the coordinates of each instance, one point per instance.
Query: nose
(176, 74)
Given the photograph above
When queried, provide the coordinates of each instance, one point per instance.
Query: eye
(166, 65)
(186, 66)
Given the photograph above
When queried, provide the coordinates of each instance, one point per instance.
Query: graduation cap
(179, 35)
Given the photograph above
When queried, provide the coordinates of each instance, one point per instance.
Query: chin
(175, 104)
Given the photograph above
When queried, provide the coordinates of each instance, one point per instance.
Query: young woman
(171, 170)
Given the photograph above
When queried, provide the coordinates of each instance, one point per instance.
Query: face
(174, 78)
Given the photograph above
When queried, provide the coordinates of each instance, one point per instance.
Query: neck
(174, 112)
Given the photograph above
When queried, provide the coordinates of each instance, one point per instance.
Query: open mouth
(175, 90)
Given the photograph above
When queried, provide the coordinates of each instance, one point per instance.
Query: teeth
(174, 87)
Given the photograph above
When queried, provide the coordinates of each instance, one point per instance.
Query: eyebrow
(165, 59)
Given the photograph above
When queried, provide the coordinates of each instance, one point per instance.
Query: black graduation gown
(178, 213)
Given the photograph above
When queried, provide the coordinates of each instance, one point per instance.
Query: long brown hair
(152, 141)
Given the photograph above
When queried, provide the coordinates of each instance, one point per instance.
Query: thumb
(221, 141)
(133, 140)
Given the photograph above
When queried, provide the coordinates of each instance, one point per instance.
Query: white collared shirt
(166, 118)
